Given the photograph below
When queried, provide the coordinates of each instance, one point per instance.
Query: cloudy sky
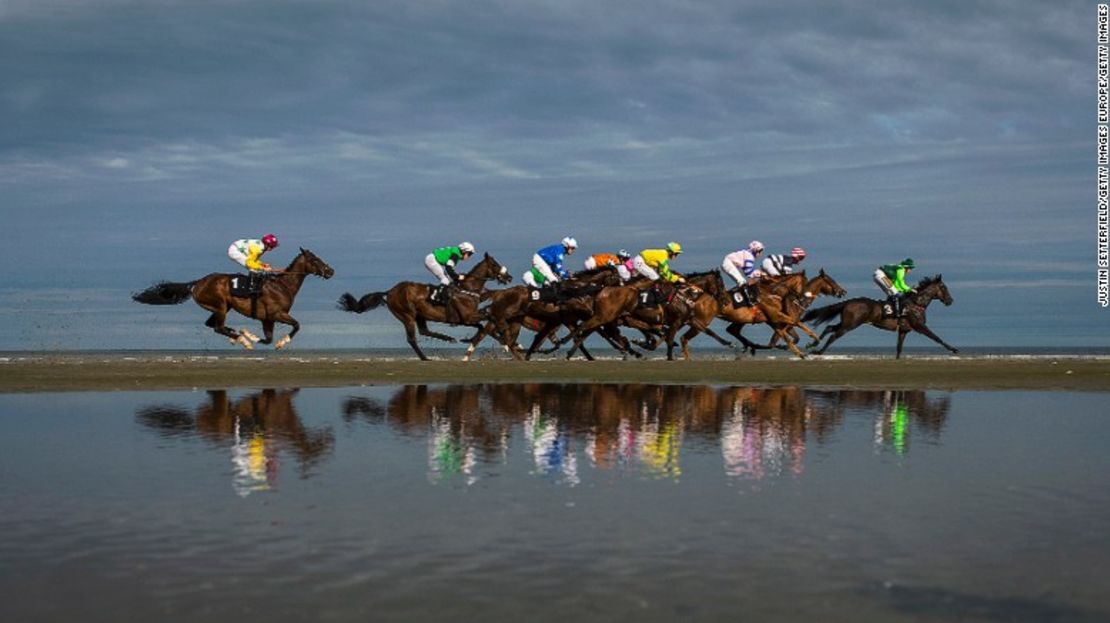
(140, 137)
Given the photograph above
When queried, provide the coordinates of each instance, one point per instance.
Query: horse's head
(934, 288)
(314, 265)
(825, 284)
(490, 268)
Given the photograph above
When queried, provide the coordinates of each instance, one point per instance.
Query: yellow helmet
(674, 247)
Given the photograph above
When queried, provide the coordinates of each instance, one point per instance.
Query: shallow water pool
(546, 501)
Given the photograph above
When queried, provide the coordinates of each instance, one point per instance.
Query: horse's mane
(296, 257)
(928, 281)
(704, 273)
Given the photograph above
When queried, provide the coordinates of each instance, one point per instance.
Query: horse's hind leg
(422, 324)
(837, 331)
(216, 322)
(410, 335)
(283, 318)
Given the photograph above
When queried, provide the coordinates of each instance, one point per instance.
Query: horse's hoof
(246, 342)
(283, 342)
(250, 336)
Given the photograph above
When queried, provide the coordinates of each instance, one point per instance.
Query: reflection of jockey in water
(751, 444)
(447, 453)
(893, 423)
(256, 465)
(550, 446)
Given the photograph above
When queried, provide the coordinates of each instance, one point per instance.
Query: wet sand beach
(107, 372)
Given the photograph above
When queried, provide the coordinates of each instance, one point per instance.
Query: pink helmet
(269, 241)
(798, 253)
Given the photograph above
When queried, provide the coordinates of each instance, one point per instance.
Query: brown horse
(779, 311)
(512, 308)
(213, 292)
(781, 305)
(621, 304)
(859, 311)
(409, 302)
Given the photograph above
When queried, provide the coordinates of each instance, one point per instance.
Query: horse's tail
(821, 315)
(165, 293)
(347, 302)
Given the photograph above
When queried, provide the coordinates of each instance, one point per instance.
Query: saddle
(246, 286)
(889, 310)
(743, 297)
(656, 295)
(544, 295)
(438, 295)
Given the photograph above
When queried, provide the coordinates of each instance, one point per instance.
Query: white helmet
(756, 246)
(466, 247)
(570, 243)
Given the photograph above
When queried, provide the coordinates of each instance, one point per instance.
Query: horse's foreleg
(267, 332)
(283, 318)
(477, 339)
(901, 339)
(734, 329)
(924, 330)
(780, 330)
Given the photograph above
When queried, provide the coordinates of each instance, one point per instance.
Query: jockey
(248, 254)
(779, 265)
(891, 279)
(741, 266)
(598, 260)
(655, 263)
(622, 261)
(441, 263)
(547, 263)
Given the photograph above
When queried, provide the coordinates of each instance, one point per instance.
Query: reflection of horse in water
(897, 412)
(761, 431)
(259, 426)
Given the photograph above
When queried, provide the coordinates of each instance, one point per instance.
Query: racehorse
(779, 311)
(275, 298)
(858, 311)
(511, 308)
(409, 302)
(621, 304)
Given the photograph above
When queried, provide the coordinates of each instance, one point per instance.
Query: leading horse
(410, 302)
(271, 305)
(856, 312)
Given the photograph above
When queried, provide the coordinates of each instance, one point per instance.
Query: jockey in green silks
(891, 278)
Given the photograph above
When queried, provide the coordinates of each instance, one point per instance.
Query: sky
(141, 137)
